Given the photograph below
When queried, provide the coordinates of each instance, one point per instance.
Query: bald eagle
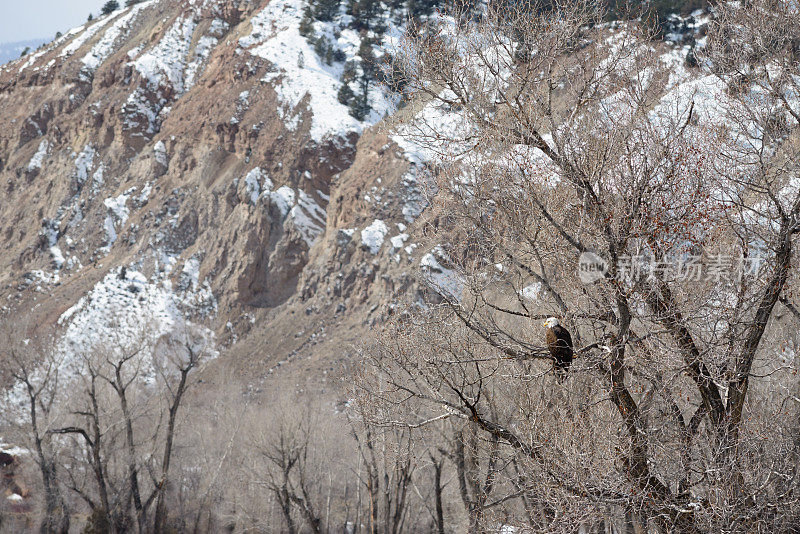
(559, 342)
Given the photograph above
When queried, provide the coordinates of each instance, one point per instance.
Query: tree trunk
(437, 488)
(133, 477)
(161, 504)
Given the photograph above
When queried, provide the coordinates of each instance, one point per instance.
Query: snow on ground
(117, 216)
(443, 280)
(160, 153)
(98, 179)
(253, 184)
(138, 106)
(190, 274)
(307, 217)
(436, 134)
(36, 161)
(203, 49)
(373, 235)
(40, 277)
(84, 162)
(166, 61)
(124, 312)
(300, 210)
(58, 257)
(440, 133)
(121, 308)
(531, 292)
(105, 46)
(50, 232)
(162, 65)
(111, 234)
(398, 241)
(691, 25)
(83, 32)
(705, 94)
(83, 36)
(88, 33)
(31, 59)
(300, 73)
(283, 198)
(13, 450)
(117, 207)
(144, 196)
(170, 68)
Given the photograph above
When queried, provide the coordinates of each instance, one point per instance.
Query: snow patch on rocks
(398, 241)
(203, 49)
(84, 162)
(160, 153)
(373, 235)
(117, 206)
(87, 34)
(126, 310)
(253, 181)
(38, 158)
(531, 292)
(117, 216)
(447, 282)
(283, 198)
(307, 217)
(124, 315)
(166, 61)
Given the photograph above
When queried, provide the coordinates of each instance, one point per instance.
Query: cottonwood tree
(308, 468)
(553, 137)
(125, 409)
(286, 465)
(103, 422)
(31, 408)
(386, 470)
(398, 456)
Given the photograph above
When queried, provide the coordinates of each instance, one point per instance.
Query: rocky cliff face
(189, 158)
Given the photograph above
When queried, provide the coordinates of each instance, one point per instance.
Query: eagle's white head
(551, 322)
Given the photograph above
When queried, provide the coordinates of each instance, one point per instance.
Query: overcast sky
(21, 20)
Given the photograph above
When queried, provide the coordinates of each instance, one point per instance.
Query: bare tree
(182, 354)
(117, 405)
(288, 470)
(389, 467)
(33, 402)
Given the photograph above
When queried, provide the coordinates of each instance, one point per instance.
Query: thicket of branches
(680, 414)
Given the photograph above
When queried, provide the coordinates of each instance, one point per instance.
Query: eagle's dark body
(559, 342)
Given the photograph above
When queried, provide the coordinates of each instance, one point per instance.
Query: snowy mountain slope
(184, 137)
(232, 155)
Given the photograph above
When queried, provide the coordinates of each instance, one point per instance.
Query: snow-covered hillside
(148, 82)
